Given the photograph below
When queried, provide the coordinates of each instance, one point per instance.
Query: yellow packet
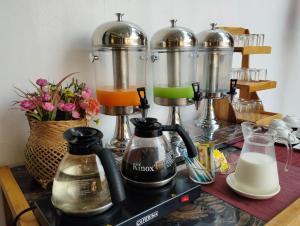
(204, 152)
(220, 161)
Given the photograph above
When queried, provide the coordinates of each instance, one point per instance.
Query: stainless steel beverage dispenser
(215, 50)
(119, 55)
(174, 68)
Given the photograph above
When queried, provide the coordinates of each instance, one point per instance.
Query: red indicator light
(185, 198)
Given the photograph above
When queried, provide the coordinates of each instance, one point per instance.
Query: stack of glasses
(249, 74)
(249, 40)
(247, 106)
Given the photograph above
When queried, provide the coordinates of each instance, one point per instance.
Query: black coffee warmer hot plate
(141, 207)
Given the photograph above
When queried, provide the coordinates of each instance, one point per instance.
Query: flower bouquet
(51, 109)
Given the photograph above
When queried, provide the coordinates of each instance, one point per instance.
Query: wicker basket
(46, 147)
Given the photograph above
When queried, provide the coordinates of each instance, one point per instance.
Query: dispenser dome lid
(119, 34)
(173, 38)
(215, 38)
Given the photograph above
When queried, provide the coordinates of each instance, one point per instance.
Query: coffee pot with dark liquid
(149, 160)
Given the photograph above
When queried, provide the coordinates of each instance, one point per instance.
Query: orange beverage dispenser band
(118, 97)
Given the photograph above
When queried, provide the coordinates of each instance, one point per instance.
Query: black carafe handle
(190, 147)
(114, 179)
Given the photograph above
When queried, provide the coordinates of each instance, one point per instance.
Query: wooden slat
(224, 110)
(15, 198)
(247, 50)
(288, 217)
(263, 119)
(235, 30)
(7, 212)
(251, 87)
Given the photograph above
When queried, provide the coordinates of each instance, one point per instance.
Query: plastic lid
(147, 127)
(81, 139)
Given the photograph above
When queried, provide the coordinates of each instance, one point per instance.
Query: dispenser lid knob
(119, 16)
(173, 22)
(213, 26)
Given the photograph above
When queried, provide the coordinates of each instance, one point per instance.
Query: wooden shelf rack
(248, 89)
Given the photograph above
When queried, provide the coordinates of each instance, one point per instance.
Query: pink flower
(69, 107)
(61, 105)
(48, 106)
(41, 82)
(86, 93)
(45, 89)
(46, 97)
(93, 107)
(83, 105)
(27, 105)
(75, 114)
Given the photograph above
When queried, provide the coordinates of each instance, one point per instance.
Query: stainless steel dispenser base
(207, 120)
(121, 136)
(172, 102)
(175, 140)
(118, 110)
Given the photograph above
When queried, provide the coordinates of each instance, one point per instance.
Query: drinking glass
(258, 106)
(252, 39)
(260, 39)
(236, 40)
(262, 74)
(253, 74)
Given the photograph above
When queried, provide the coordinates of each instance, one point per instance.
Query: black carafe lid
(147, 127)
(81, 139)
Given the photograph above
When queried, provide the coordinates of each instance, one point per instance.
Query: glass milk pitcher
(256, 170)
(259, 144)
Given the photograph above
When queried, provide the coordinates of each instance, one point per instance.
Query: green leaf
(34, 115)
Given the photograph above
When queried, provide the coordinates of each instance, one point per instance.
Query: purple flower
(46, 97)
(75, 114)
(69, 107)
(48, 106)
(27, 105)
(41, 82)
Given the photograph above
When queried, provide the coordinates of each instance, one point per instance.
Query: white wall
(42, 38)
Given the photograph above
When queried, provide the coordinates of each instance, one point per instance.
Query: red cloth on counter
(263, 209)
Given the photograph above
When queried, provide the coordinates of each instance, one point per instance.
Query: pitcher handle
(289, 149)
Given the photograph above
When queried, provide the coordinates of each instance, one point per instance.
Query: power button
(185, 198)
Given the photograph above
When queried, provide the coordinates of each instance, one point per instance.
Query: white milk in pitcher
(256, 173)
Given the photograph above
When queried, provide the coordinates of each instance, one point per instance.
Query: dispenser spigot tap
(144, 106)
(197, 94)
(232, 91)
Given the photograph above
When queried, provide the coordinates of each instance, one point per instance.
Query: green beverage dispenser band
(173, 92)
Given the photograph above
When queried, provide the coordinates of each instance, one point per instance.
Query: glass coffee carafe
(149, 160)
(87, 181)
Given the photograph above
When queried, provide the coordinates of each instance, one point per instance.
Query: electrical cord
(21, 213)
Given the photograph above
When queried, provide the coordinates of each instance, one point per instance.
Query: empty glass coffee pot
(149, 160)
(87, 181)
